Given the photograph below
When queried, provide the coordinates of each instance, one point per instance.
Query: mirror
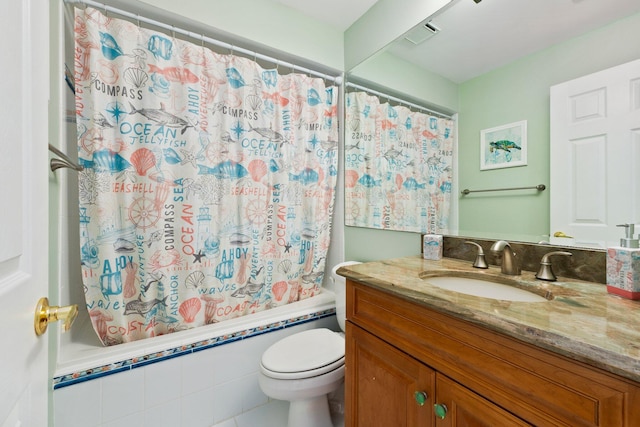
(493, 63)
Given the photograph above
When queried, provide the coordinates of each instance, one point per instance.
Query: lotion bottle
(623, 266)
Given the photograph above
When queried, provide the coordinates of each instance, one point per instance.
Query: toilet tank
(340, 287)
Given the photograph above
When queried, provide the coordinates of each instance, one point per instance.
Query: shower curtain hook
(138, 19)
(173, 31)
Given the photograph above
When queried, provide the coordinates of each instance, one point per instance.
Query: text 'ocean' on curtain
(208, 185)
(398, 167)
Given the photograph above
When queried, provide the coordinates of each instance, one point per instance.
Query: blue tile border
(147, 359)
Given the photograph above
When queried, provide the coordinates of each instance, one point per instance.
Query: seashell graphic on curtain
(398, 167)
(208, 184)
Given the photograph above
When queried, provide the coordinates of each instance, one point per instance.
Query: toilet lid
(304, 354)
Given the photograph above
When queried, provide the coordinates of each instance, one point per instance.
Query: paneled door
(595, 155)
(24, 85)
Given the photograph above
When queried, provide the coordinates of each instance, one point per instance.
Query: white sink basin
(484, 288)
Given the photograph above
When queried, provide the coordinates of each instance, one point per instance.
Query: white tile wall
(79, 405)
(217, 387)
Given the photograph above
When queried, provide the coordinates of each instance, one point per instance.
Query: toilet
(306, 366)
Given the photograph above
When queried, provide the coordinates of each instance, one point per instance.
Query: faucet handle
(546, 272)
(480, 261)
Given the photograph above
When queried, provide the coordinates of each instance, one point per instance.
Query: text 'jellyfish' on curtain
(208, 185)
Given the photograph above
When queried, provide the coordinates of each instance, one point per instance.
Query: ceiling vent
(422, 33)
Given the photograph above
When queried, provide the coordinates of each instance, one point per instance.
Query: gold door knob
(46, 313)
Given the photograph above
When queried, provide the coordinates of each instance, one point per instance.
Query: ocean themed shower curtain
(398, 166)
(208, 184)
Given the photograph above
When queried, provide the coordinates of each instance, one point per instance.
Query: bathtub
(83, 357)
(199, 377)
(204, 376)
(79, 354)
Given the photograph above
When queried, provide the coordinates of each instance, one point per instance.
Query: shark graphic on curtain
(398, 167)
(208, 184)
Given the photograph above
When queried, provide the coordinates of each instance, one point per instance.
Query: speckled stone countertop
(580, 321)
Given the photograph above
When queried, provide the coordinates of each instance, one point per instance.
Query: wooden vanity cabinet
(387, 388)
(396, 347)
(390, 387)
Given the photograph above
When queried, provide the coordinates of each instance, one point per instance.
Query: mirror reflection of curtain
(208, 184)
(398, 166)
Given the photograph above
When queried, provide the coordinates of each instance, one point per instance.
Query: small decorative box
(432, 246)
(623, 272)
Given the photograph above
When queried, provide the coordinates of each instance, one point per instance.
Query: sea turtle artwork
(503, 145)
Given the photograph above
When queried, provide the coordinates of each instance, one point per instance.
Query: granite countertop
(581, 321)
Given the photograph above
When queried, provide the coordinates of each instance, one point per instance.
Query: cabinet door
(381, 383)
(457, 406)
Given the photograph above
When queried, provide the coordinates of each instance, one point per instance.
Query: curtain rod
(202, 37)
(401, 101)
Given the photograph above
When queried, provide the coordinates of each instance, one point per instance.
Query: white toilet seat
(305, 354)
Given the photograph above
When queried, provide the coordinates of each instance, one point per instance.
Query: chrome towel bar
(539, 187)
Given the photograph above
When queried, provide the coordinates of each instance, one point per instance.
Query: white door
(595, 155)
(24, 89)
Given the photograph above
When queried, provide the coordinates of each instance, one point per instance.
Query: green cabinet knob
(440, 410)
(421, 397)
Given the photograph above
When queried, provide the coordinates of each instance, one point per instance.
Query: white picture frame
(504, 146)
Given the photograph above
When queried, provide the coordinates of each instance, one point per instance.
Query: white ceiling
(338, 13)
(476, 38)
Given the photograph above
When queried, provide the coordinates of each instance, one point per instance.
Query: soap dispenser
(628, 241)
(623, 266)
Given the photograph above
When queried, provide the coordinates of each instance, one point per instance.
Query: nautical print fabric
(398, 167)
(208, 185)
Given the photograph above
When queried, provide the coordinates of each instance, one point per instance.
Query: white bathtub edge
(91, 361)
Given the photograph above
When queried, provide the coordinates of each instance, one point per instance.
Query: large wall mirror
(492, 63)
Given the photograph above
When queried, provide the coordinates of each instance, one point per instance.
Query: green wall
(269, 24)
(385, 70)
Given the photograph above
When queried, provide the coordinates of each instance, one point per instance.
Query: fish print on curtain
(208, 185)
(398, 167)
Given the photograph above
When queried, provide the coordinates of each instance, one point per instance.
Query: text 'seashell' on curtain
(208, 185)
(398, 166)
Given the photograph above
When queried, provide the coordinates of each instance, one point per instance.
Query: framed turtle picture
(504, 146)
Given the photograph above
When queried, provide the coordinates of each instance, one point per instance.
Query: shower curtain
(208, 184)
(398, 166)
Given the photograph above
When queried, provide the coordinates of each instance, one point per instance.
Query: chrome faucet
(546, 272)
(509, 262)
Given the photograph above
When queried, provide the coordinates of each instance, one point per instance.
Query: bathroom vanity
(419, 355)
